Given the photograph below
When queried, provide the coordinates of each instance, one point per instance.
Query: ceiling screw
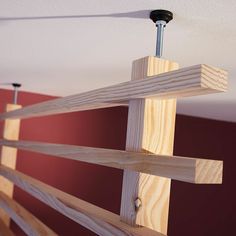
(160, 18)
(16, 86)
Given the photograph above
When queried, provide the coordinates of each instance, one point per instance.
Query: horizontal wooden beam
(193, 170)
(23, 218)
(190, 81)
(4, 230)
(96, 219)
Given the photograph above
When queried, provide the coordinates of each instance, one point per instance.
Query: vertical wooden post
(8, 156)
(151, 124)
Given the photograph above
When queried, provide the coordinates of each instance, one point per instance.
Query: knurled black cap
(161, 15)
(16, 85)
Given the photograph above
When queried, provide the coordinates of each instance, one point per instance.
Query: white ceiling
(67, 56)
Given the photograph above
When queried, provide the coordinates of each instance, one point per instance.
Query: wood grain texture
(190, 81)
(150, 128)
(185, 169)
(11, 131)
(98, 220)
(4, 230)
(24, 219)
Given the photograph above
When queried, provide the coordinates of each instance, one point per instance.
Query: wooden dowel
(193, 170)
(4, 230)
(96, 219)
(190, 81)
(24, 219)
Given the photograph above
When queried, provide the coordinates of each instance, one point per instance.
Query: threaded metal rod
(160, 33)
(15, 96)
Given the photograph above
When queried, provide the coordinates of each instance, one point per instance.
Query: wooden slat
(190, 81)
(4, 230)
(24, 219)
(179, 168)
(151, 124)
(98, 220)
(11, 131)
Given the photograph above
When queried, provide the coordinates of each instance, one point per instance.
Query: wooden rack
(148, 161)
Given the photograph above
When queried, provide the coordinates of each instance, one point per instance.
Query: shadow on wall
(143, 14)
(218, 110)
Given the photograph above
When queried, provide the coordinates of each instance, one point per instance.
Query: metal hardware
(16, 87)
(160, 18)
(137, 203)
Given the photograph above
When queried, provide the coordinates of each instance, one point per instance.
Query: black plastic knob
(164, 15)
(15, 85)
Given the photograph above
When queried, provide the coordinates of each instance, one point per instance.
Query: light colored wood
(4, 230)
(24, 219)
(96, 219)
(185, 169)
(151, 124)
(190, 81)
(11, 131)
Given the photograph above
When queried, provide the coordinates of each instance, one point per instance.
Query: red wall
(194, 209)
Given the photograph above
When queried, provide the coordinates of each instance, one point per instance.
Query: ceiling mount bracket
(160, 18)
(16, 86)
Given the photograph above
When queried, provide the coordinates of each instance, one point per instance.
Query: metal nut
(137, 204)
